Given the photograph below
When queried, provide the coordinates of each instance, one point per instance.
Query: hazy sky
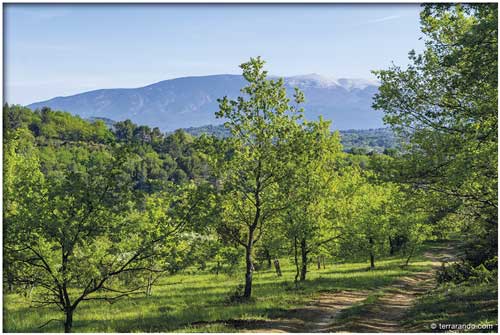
(57, 50)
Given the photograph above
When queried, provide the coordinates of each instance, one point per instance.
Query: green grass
(183, 299)
(462, 304)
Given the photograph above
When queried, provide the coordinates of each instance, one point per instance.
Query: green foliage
(262, 123)
(445, 104)
(85, 216)
(313, 169)
(51, 125)
(227, 260)
(369, 140)
(463, 272)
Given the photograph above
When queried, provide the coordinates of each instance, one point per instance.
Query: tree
(312, 170)
(261, 122)
(74, 230)
(124, 130)
(23, 191)
(445, 104)
(164, 222)
(373, 220)
(361, 208)
(66, 225)
(408, 225)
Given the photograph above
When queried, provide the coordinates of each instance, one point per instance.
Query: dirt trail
(316, 317)
(385, 314)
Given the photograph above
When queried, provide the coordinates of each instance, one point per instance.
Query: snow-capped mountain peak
(357, 83)
(311, 80)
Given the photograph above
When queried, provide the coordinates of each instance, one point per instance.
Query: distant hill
(367, 139)
(192, 101)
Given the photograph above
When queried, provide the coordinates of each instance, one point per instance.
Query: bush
(481, 274)
(464, 272)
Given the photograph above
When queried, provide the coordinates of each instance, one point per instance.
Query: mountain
(192, 101)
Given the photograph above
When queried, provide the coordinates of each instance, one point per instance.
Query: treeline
(358, 141)
(381, 140)
(92, 213)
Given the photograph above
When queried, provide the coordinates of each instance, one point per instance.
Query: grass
(358, 309)
(194, 302)
(455, 304)
(461, 304)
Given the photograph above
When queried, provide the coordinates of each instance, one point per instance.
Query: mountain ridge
(192, 101)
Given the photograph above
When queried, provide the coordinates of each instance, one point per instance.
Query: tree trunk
(303, 250)
(296, 259)
(248, 280)
(391, 244)
(10, 281)
(372, 256)
(249, 267)
(149, 287)
(268, 258)
(319, 262)
(68, 323)
(277, 267)
(323, 259)
(410, 255)
(251, 229)
(30, 291)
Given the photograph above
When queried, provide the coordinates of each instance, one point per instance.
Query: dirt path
(316, 317)
(385, 314)
(388, 312)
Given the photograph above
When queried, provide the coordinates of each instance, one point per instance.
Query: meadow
(195, 300)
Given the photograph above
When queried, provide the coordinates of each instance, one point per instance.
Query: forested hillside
(354, 140)
(209, 232)
(360, 140)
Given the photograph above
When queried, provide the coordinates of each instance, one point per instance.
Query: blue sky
(59, 50)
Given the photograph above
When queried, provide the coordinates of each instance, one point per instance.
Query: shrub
(464, 272)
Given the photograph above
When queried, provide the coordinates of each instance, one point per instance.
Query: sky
(58, 50)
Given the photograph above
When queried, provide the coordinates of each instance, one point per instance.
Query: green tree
(261, 122)
(76, 229)
(445, 103)
(166, 221)
(23, 191)
(313, 168)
